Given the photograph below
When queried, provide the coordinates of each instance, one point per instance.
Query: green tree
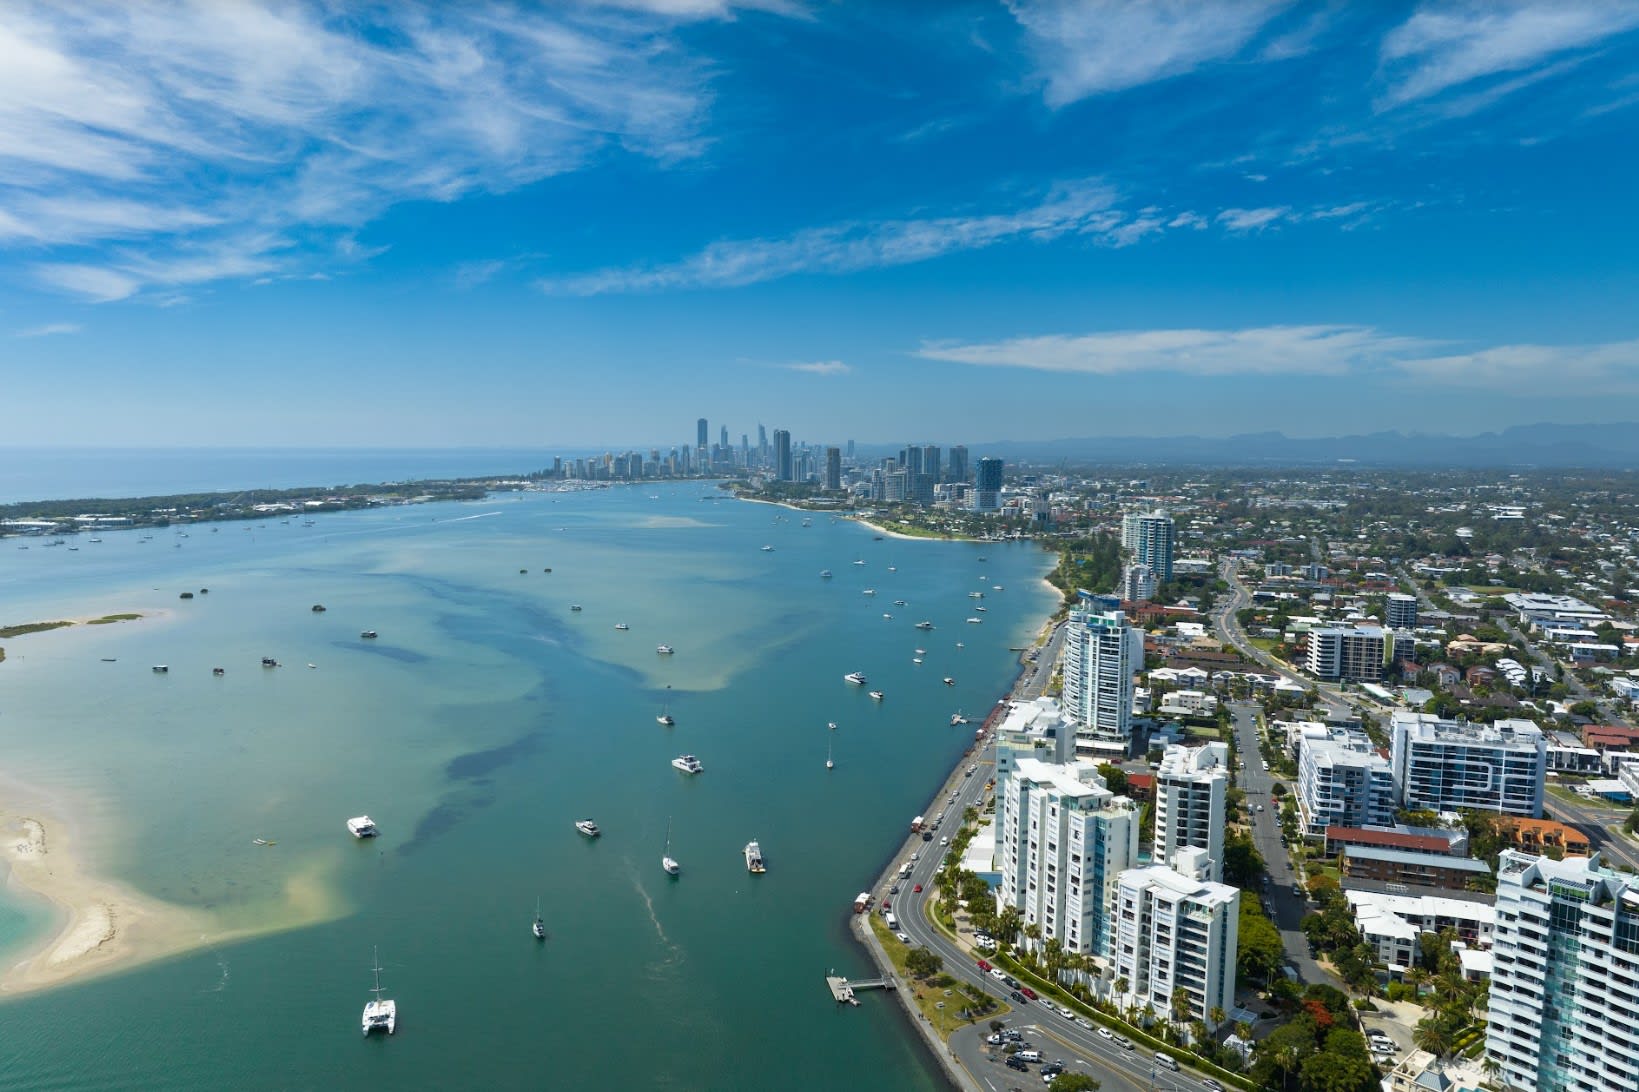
(1073, 1082)
(1115, 778)
(1180, 1005)
(924, 963)
(1329, 1071)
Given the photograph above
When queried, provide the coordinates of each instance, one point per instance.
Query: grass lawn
(1597, 802)
(940, 998)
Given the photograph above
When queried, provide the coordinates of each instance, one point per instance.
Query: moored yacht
(539, 926)
(754, 859)
(587, 827)
(924, 625)
(362, 826)
(688, 764)
(855, 677)
(667, 862)
(877, 695)
(665, 719)
(665, 650)
(768, 549)
(825, 574)
(368, 635)
(622, 626)
(380, 1013)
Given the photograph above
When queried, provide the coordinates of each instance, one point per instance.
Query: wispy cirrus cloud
(135, 137)
(1251, 219)
(820, 367)
(50, 329)
(1449, 45)
(1092, 47)
(1314, 350)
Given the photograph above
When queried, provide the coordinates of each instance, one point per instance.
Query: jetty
(842, 990)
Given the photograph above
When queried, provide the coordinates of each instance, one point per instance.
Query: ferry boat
(688, 764)
(855, 677)
(380, 1013)
(587, 827)
(368, 635)
(924, 625)
(622, 626)
(877, 695)
(362, 826)
(754, 859)
(665, 650)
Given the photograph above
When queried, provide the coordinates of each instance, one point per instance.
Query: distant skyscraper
(911, 459)
(833, 468)
(782, 455)
(701, 439)
(1154, 546)
(850, 451)
(762, 443)
(745, 450)
(930, 462)
(724, 437)
(988, 487)
(958, 465)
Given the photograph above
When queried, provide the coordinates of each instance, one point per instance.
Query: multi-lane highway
(1059, 1038)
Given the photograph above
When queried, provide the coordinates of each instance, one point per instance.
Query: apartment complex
(1176, 929)
(1564, 1008)
(1101, 652)
(1342, 782)
(1452, 765)
(1189, 803)
(1356, 655)
(1400, 612)
(1062, 841)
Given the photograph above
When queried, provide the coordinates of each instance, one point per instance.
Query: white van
(893, 922)
(1166, 1061)
(1028, 1055)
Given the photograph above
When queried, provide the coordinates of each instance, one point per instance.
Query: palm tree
(1216, 1014)
(1433, 1034)
(1180, 1004)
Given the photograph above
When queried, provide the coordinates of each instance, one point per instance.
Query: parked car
(1015, 1062)
(903, 938)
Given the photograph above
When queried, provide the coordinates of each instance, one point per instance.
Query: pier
(842, 990)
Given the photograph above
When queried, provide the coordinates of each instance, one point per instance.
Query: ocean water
(483, 721)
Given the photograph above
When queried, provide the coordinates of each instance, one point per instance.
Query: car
(998, 974)
(1123, 1042)
(1012, 983)
(995, 1039)
(1067, 1012)
(1013, 1035)
(1084, 1022)
(944, 842)
(1028, 992)
(1259, 807)
(1106, 1033)
(903, 939)
(1297, 890)
(887, 904)
(1018, 998)
(894, 890)
(1208, 1082)
(927, 835)
(917, 889)
(1014, 1062)
(917, 856)
(985, 967)
(1051, 1070)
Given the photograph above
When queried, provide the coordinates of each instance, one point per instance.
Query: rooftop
(1433, 860)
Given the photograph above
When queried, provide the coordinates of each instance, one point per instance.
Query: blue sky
(587, 224)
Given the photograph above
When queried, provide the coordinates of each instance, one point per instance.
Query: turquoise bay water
(486, 718)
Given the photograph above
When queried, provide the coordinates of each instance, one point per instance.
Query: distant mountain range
(1604, 446)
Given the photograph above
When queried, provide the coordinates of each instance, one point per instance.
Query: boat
(889, 617)
(917, 660)
(975, 595)
(110, 659)
(574, 606)
(362, 826)
(975, 621)
(622, 626)
(219, 671)
(665, 650)
(981, 557)
(857, 560)
(825, 574)
(877, 695)
(855, 677)
(982, 610)
(688, 764)
(949, 681)
(831, 724)
(995, 587)
(960, 645)
(318, 608)
(898, 602)
(870, 591)
(538, 927)
(263, 842)
(312, 667)
(381, 1013)
(368, 635)
(665, 718)
(269, 661)
(921, 652)
(957, 718)
(160, 669)
(893, 568)
(924, 625)
(754, 859)
(807, 521)
(768, 549)
(829, 765)
(667, 861)
(862, 902)
(587, 827)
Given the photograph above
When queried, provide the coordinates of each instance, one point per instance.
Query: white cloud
(182, 126)
(1092, 47)
(1447, 45)
(1268, 350)
(50, 329)
(1082, 208)
(1251, 219)
(1548, 369)
(820, 367)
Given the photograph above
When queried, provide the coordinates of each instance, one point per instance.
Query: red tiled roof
(1388, 839)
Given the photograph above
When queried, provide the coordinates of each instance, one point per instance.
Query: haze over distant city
(590, 223)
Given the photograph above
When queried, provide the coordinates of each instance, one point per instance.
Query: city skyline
(534, 226)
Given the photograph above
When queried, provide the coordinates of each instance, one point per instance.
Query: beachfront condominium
(1342, 782)
(1454, 765)
(1563, 1013)
(1153, 545)
(1190, 788)
(1063, 839)
(1101, 652)
(1176, 930)
(1357, 654)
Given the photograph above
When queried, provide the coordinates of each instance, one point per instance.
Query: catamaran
(381, 1012)
(688, 764)
(666, 861)
(362, 826)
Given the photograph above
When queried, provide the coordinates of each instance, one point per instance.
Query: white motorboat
(831, 724)
(688, 764)
(916, 660)
(380, 1013)
(539, 926)
(975, 595)
(949, 681)
(924, 625)
(362, 826)
(957, 718)
(870, 591)
(877, 695)
(825, 574)
(622, 626)
(587, 827)
(754, 859)
(855, 677)
(768, 549)
(665, 650)
(898, 602)
(859, 561)
(368, 635)
(667, 862)
(975, 621)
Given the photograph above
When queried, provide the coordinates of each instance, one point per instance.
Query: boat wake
(675, 959)
(222, 982)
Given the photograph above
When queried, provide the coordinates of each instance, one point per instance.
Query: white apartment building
(1449, 765)
(1153, 544)
(1357, 654)
(1393, 924)
(1400, 612)
(1342, 782)
(1062, 841)
(1189, 803)
(1175, 929)
(1101, 652)
(1137, 583)
(1564, 1007)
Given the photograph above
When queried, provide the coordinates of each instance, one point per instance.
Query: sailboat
(666, 861)
(665, 718)
(829, 765)
(539, 926)
(380, 1013)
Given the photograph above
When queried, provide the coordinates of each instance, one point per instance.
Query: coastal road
(1119, 1069)
(1229, 629)
(1597, 824)
(1286, 910)
(1033, 685)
